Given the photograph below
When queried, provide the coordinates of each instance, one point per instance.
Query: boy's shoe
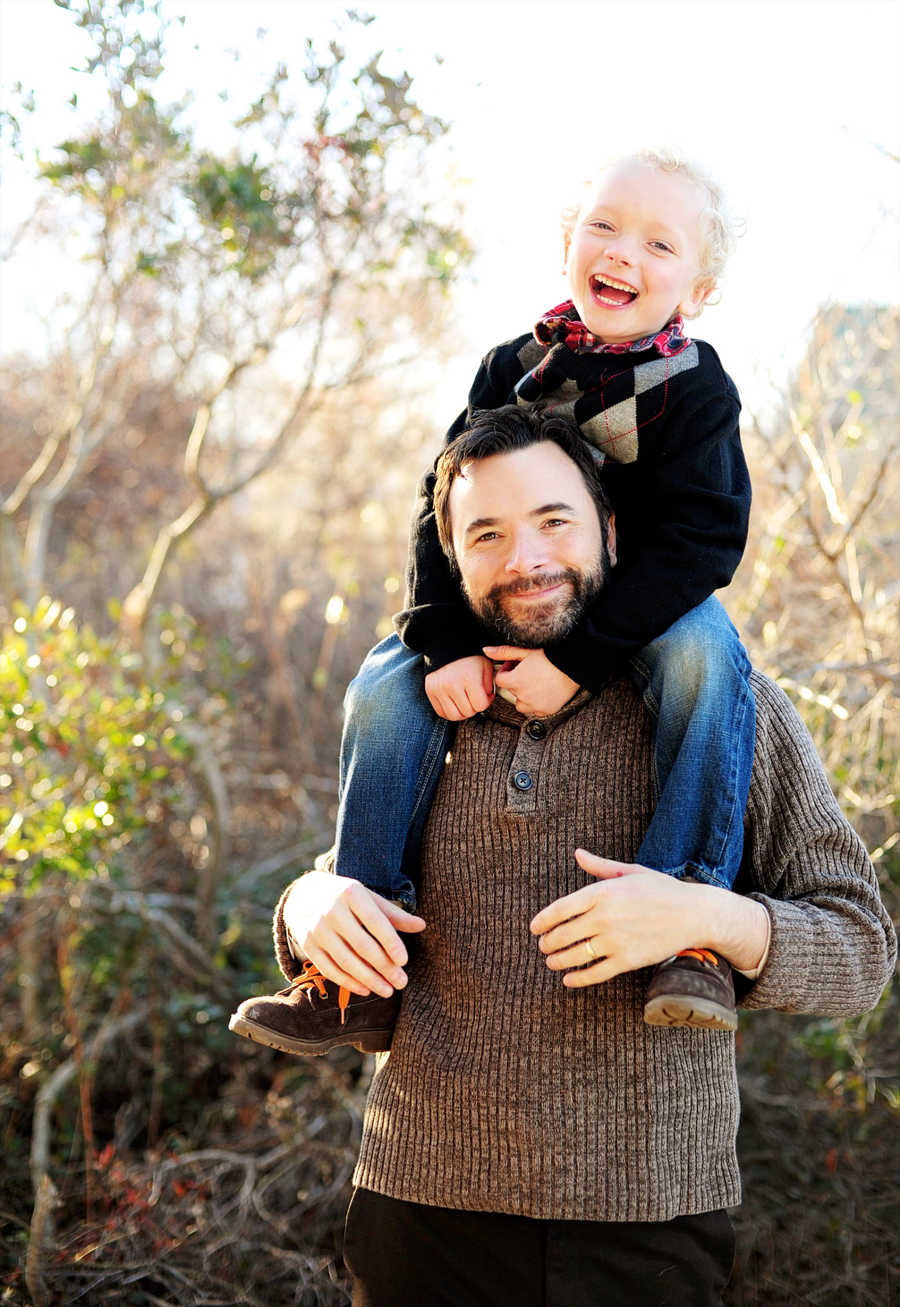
(695, 988)
(314, 1015)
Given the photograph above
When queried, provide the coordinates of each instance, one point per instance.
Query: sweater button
(537, 730)
(522, 780)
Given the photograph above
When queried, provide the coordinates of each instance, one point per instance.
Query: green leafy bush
(85, 748)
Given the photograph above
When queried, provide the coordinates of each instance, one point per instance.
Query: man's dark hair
(503, 431)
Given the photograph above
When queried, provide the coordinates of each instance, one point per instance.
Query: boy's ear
(692, 305)
(567, 241)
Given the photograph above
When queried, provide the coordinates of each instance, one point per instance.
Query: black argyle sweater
(676, 474)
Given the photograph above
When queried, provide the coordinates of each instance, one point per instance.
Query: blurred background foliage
(206, 478)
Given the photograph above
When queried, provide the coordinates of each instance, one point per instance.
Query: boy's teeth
(616, 285)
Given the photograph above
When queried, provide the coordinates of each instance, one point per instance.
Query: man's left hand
(635, 917)
(540, 688)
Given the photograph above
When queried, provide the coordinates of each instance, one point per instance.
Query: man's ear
(691, 306)
(611, 539)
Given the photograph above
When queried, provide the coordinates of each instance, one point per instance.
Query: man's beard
(540, 623)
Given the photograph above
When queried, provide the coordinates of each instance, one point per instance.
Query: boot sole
(367, 1041)
(699, 1013)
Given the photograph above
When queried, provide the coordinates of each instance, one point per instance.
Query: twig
(214, 783)
(66, 972)
(277, 862)
(45, 1205)
(189, 956)
(48, 1094)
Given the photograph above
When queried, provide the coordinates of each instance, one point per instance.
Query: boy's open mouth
(614, 293)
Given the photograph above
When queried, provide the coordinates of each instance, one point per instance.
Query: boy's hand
(540, 688)
(461, 689)
(349, 932)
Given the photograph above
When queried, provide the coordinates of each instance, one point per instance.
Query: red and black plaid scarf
(562, 326)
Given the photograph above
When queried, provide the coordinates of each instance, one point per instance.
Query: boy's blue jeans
(694, 682)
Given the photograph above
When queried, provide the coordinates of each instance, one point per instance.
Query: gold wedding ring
(590, 948)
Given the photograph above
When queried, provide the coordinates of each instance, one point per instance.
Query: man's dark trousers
(409, 1255)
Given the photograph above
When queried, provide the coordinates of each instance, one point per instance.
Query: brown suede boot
(314, 1015)
(695, 988)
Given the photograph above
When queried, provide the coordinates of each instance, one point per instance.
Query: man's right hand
(461, 689)
(349, 932)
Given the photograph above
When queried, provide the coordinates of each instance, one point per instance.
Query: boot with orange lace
(694, 988)
(314, 1015)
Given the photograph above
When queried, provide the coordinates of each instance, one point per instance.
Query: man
(530, 1140)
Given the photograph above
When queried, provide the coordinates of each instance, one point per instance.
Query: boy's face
(633, 260)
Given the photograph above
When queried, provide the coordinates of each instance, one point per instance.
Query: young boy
(645, 249)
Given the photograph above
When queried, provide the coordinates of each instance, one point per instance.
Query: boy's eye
(604, 226)
(661, 245)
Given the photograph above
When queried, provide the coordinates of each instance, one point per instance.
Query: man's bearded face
(535, 623)
(531, 546)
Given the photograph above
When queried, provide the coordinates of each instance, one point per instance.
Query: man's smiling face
(528, 542)
(633, 260)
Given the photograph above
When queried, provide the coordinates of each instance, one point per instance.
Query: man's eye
(486, 538)
(556, 521)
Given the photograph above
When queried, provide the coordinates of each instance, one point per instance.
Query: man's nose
(527, 553)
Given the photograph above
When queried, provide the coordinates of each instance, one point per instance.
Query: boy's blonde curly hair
(718, 237)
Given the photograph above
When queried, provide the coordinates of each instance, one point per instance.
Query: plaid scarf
(562, 326)
(570, 348)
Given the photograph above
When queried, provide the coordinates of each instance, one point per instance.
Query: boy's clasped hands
(467, 686)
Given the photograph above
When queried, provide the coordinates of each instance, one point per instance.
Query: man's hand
(461, 689)
(540, 688)
(349, 932)
(635, 917)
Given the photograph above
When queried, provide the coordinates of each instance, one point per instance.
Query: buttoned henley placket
(522, 780)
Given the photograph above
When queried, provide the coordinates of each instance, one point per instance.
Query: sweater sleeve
(689, 521)
(832, 947)
(437, 621)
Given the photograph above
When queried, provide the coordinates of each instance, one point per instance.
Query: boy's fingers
(436, 700)
(506, 652)
(450, 710)
(479, 696)
(477, 699)
(461, 707)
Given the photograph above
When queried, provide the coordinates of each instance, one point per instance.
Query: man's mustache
(525, 584)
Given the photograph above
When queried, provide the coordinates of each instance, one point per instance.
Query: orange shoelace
(704, 954)
(311, 978)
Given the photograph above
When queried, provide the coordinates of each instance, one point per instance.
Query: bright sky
(793, 103)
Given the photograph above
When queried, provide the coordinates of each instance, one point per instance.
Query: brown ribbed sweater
(506, 1092)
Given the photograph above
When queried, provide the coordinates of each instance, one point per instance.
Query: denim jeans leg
(392, 754)
(695, 682)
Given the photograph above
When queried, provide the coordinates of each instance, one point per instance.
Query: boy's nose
(619, 251)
